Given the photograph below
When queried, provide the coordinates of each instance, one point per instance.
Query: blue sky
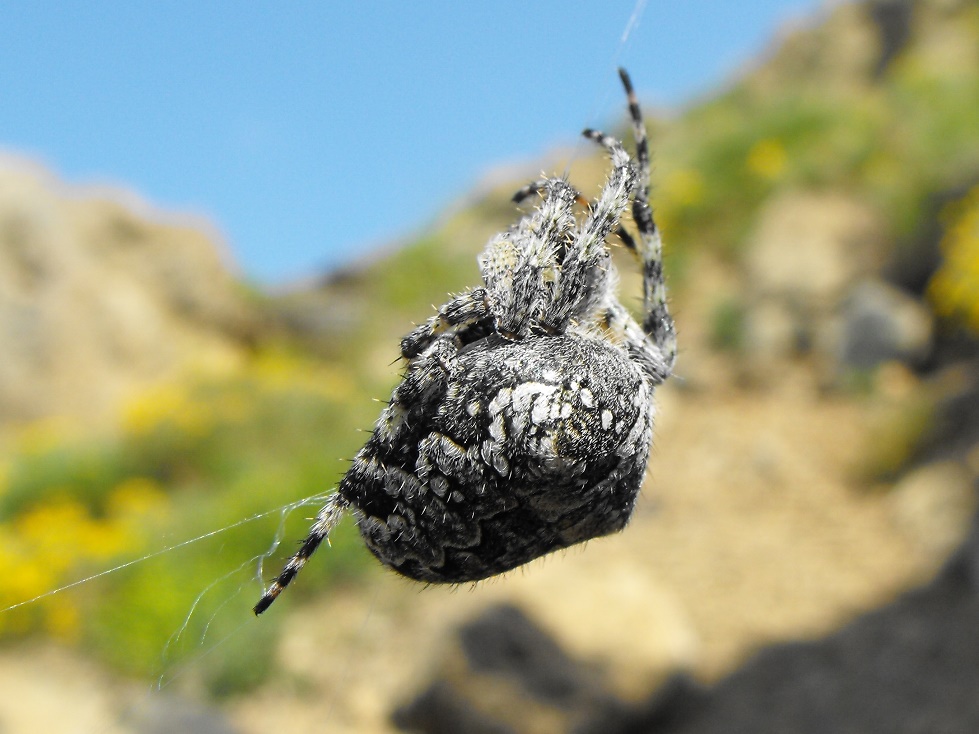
(309, 132)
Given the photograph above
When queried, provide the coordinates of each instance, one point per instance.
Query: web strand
(603, 98)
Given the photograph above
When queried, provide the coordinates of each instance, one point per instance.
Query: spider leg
(534, 187)
(657, 321)
(465, 310)
(617, 319)
(605, 213)
(587, 276)
(326, 520)
(520, 266)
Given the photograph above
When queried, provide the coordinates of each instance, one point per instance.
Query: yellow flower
(25, 575)
(276, 369)
(50, 533)
(767, 158)
(137, 497)
(165, 402)
(954, 289)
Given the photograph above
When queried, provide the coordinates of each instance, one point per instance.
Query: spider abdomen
(519, 448)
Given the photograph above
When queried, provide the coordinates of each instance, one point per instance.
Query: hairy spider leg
(525, 192)
(605, 213)
(657, 321)
(326, 520)
(537, 187)
(520, 266)
(587, 276)
(534, 187)
(617, 319)
(463, 311)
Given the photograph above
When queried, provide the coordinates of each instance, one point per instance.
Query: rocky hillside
(100, 296)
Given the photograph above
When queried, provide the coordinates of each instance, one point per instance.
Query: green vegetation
(192, 457)
(894, 145)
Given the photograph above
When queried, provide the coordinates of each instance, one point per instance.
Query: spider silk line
(603, 98)
(637, 11)
(187, 665)
(176, 636)
(111, 720)
(167, 549)
(285, 511)
(172, 671)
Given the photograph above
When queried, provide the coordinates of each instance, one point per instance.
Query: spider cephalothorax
(524, 419)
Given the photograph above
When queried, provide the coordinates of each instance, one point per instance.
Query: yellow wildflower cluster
(954, 289)
(195, 403)
(275, 370)
(56, 542)
(166, 402)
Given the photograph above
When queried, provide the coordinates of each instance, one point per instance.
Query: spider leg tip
(266, 601)
(626, 81)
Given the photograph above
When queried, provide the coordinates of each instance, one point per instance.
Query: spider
(524, 418)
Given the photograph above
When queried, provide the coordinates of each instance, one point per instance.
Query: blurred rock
(808, 247)
(773, 332)
(912, 262)
(952, 431)
(848, 46)
(806, 252)
(505, 642)
(325, 312)
(843, 50)
(441, 710)
(168, 714)
(99, 294)
(673, 702)
(506, 674)
(880, 323)
(893, 19)
(932, 504)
